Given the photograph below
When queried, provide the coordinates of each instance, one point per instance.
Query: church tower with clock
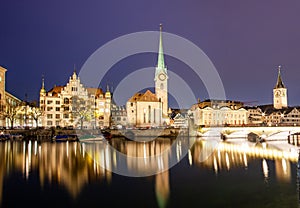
(279, 93)
(161, 78)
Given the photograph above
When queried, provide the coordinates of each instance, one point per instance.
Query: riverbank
(48, 134)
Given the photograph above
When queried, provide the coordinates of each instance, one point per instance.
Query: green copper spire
(160, 61)
(279, 83)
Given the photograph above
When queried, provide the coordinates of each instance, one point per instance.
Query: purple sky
(246, 41)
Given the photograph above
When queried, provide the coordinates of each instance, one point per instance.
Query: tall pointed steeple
(280, 93)
(279, 83)
(160, 60)
(161, 68)
(161, 77)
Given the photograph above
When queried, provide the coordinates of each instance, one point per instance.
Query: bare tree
(35, 112)
(10, 110)
(81, 110)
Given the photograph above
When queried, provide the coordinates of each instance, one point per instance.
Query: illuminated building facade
(151, 109)
(74, 105)
(8, 102)
(219, 113)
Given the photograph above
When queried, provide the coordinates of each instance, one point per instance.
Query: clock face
(277, 93)
(162, 77)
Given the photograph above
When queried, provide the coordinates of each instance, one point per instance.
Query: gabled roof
(148, 96)
(269, 109)
(55, 91)
(178, 116)
(95, 91)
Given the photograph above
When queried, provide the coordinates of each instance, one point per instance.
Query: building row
(235, 113)
(76, 106)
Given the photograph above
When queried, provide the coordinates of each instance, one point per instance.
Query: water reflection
(73, 165)
(228, 155)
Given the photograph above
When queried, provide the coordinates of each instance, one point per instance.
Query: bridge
(261, 131)
(276, 137)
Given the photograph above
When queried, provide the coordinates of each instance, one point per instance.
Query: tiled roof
(148, 96)
(269, 109)
(55, 91)
(95, 91)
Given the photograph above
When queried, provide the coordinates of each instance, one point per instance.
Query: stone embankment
(48, 134)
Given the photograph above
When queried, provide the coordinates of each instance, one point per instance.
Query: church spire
(279, 83)
(43, 82)
(160, 60)
(43, 86)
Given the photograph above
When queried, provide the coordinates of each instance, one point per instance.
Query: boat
(65, 137)
(17, 137)
(91, 138)
(4, 137)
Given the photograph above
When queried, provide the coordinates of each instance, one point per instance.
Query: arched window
(66, 101)
(161, 86)
(149, 114)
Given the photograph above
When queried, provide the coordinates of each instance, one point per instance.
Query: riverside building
(75, 106)
(151, 109)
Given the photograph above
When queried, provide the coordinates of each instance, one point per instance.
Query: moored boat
(91, 138)
(65, 137)
(4, 137)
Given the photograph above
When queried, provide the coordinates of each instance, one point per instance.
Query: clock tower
(161, 78)
(279, 93)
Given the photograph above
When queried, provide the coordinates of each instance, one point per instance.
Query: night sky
(245, 40)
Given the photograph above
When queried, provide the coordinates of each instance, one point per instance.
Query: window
(49, 108)
(57, 109)
(42, 101)
(66, 101)
(149, 114)
(49, 123)
(161, 86)
(49, 116)
(66, 108)
(49, 102)
(131, 104)
(57, 102)
(57, 116)
(66, 115)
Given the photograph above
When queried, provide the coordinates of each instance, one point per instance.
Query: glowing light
(284, 166)
(190, 157)
(245, 160)
(227, 161)
(265, 168)
(215, 165)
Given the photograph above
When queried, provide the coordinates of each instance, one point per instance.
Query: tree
(10, 110)
(35, 112)
(82, 110)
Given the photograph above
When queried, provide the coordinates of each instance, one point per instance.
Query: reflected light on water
(215, 165)
(265, 168)
(73, 165)
(227, 161)
(190, 157)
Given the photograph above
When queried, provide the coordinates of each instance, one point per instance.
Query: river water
(205, 174)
